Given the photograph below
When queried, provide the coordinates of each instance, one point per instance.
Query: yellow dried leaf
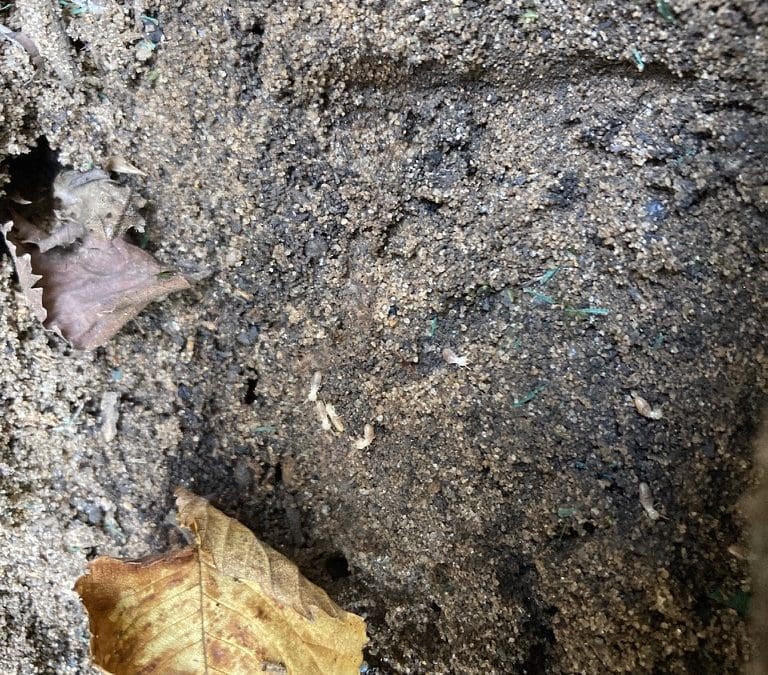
(229, 604)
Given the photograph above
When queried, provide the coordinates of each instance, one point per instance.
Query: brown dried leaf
(228, 604)
(87, 294)
(103, 207)
(68, 233)
(27, 278)
(81, 278)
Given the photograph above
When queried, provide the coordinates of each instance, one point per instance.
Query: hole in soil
(32, 175)
(250, 391)
(79, 45)
(337, 566)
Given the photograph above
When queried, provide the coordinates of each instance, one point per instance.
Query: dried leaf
(27, 278)
(83, 280)
(18, 199)
(101, 206)
(228, 604)
(65, 235)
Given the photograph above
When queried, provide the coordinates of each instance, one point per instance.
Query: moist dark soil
(570, 196)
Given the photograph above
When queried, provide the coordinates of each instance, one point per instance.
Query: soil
(570, 195)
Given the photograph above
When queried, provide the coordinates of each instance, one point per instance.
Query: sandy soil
(569, 195)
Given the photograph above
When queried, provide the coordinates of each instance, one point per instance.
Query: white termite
(322, 416)
(366, 440)
(644, 408)
(338, 424)
(450, 356)
(646, 501)
(314, 386)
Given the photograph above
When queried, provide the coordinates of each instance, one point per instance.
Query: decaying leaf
(228, 604)
(82, 279)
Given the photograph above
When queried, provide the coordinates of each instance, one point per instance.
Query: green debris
(69, 422)
(529, 16)
(541, 298)
(519, 403)
(432, 327)
(77, 7)
(547, 276)
(266, 429)
(112, 528)
(152, 75)
(166, 274)
(738, 600)
(638, 57)
(586, 311)
(663, 8)
(566, 512)
(658, 341)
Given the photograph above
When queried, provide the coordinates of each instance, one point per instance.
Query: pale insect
(646, 501)
(644, 408)
(322, 416)
(450, 356)
(338, 424)
(366, 440)
(314, 386)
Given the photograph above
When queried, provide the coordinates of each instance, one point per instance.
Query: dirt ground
(570, 195)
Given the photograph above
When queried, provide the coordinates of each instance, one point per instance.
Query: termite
(644, 408)
(314, 386)
(322, 415)
(646, 501)
(366, 440)
(334, 417)
(450, 356)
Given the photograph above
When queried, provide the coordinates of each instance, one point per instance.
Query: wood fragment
(118, 164)
(109, 415)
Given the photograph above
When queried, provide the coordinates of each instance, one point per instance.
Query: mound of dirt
(571, 196)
